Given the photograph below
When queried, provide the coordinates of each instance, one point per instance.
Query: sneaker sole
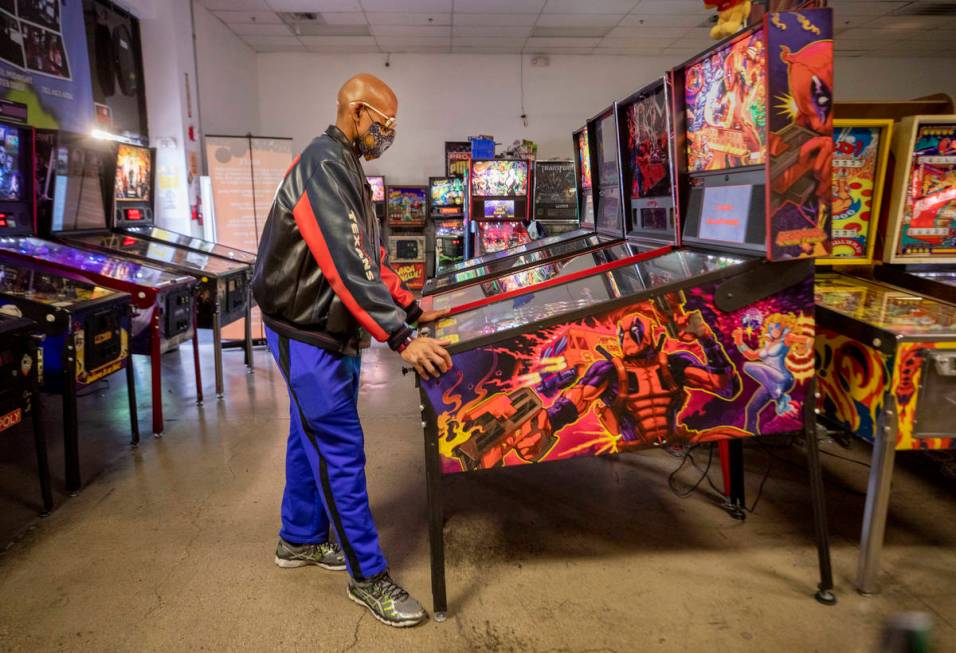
(394, 624)
(295, 564)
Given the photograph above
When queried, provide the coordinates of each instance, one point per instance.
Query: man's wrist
(404, 344)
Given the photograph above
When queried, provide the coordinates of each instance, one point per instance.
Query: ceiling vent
(308, 23)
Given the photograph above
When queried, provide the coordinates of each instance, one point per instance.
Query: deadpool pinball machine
(20, 358)
(447, 212)
(407, 211)
(163, 312)
(886, 347)
(707, 343)
(86, 338)
(223, 293)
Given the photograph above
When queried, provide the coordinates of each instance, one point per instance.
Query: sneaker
(327, 555)
(388, 602)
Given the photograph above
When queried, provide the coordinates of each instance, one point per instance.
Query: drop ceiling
(895, 28)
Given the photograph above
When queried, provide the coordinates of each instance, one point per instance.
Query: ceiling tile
(343, 49)
(557, 50)
(417, 49)
(261, 17)
(262, 29)
(473, 42)
(387, 42)
(644, 42)
(236, 5)
(344, 18)
(514, 31)
(599, 32)
(407, 18)
(589, 6)
(483, 50)
(646, 52)
(330, 41)
(315, 5)
(498, 6)
(845, 8)
(319, 29)
(425, 6)
(639, 19)
(494, 19)
(273, 43)
(654, 32)
(579, 20)
(687, 7)
(412, 30)
(563, 42)
(866, 33)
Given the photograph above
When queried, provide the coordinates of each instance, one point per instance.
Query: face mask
(375, 141)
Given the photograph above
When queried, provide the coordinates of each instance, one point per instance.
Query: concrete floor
(169, 546)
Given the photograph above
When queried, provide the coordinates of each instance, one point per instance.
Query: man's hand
(427, 356)
(432, 316)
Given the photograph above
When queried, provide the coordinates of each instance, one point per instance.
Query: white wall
(227, 77)
(449, 97)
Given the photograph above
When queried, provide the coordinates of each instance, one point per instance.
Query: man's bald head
(369, 89)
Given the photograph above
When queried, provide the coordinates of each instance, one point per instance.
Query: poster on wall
(44, 71)
(244, 173)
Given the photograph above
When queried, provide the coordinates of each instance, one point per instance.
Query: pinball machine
(582, 178)
(222, 286)
(86, 338)
(19, 391)
(447, 212)
(163, 303)
(133, 210)
(886, 347)
(920, 245)
(555, 197)
(376, 184)
(406, 211)
(711, 342)
(499, 195)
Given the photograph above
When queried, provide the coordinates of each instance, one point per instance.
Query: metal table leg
(71, 436)
(131, 395)
(199, 395)
(156, 372)
(436, 525)
(824, 592)
(247, 328)
(39, 434)
(877, 501)
(217, 349)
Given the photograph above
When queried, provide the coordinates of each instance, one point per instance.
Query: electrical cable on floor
(693, 488)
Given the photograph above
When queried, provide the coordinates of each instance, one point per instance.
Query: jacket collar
(336, 134)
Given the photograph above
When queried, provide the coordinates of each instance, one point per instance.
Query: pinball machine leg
(877, 501)
(824, 592)
(199, 395)
(217, 350)
(156, 372)
(436, 535)
(247, 329)
(71, 439)
(39, 437)
(735, 483)
(131, 396)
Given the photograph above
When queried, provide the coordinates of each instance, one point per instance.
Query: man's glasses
(389, 120)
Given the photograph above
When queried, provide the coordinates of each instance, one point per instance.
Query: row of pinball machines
(680, 314)
(886, 297)
(81, 258)
(432, 229)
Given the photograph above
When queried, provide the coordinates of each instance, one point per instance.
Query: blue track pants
(325, 456)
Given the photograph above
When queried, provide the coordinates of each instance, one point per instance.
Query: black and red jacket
(322, 276)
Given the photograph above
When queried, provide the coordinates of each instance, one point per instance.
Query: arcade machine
(499, 204)
(579, 368)
(86, 331)
(163, 305)
(606, 175)
(920, 246)
(406, 208)
(887, 353)
(457, 156)
(377, 186)
(133, 214)
(582, 178)
(222, 295)
(555, 197)
(447, 210)
(19, 390)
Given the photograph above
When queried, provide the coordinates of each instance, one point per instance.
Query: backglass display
(406, 205)
(855, 157)
(929, 212)
(377, 185)
(78, 187)
(554, 183)
(647, 155)
(726, 99)
(608, 211)
(448, 191)
(499, 178)
(134, 175)
(11, 176)
(583, 153)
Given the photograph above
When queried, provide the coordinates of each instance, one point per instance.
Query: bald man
(323, 283)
